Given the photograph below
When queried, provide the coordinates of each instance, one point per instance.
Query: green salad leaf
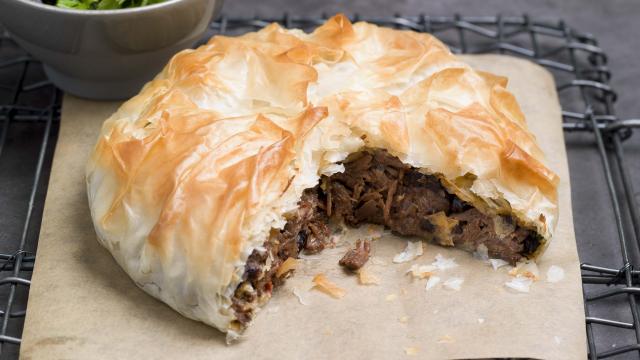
(76, 4)
(104, 4)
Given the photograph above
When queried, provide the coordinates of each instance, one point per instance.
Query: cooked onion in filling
(377, 188)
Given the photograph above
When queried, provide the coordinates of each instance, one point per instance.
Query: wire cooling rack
(30, 113)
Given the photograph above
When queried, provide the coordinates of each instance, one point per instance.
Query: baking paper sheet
(82, 305)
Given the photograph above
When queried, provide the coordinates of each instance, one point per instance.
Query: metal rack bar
(578, 57)
(14, 267)
(19, 257)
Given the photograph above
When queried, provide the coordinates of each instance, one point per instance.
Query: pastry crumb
(497, 263)
(481, 253)
(433, 281)
(421, 271)
(391, 297)
(411, 350)
(445, 339)
(519, 283)
(454, 283)
(410, 252)
(366, 278)
(323, 284)
(443, 263)
(555, 274)
(287, 266)
(527, 269)
(297, 294)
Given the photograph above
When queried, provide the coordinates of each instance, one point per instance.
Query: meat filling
(355, 258)
(306, 230)
(377, 188)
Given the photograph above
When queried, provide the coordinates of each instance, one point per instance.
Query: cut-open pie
(240, 153)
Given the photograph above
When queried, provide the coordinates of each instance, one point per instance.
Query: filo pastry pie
(239, 153)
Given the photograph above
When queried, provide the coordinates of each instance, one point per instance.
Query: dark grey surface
(614, 23)
(17, 168)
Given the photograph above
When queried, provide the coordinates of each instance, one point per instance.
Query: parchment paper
(82, 305)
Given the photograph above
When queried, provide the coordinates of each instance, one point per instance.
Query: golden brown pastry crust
(189, 177)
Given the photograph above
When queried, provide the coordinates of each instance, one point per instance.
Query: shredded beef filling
(306, 230)
(377, 188)
(355, 258)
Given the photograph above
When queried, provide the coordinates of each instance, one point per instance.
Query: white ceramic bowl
(106, 54)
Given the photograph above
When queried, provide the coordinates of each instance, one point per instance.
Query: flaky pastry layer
(191, 175)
